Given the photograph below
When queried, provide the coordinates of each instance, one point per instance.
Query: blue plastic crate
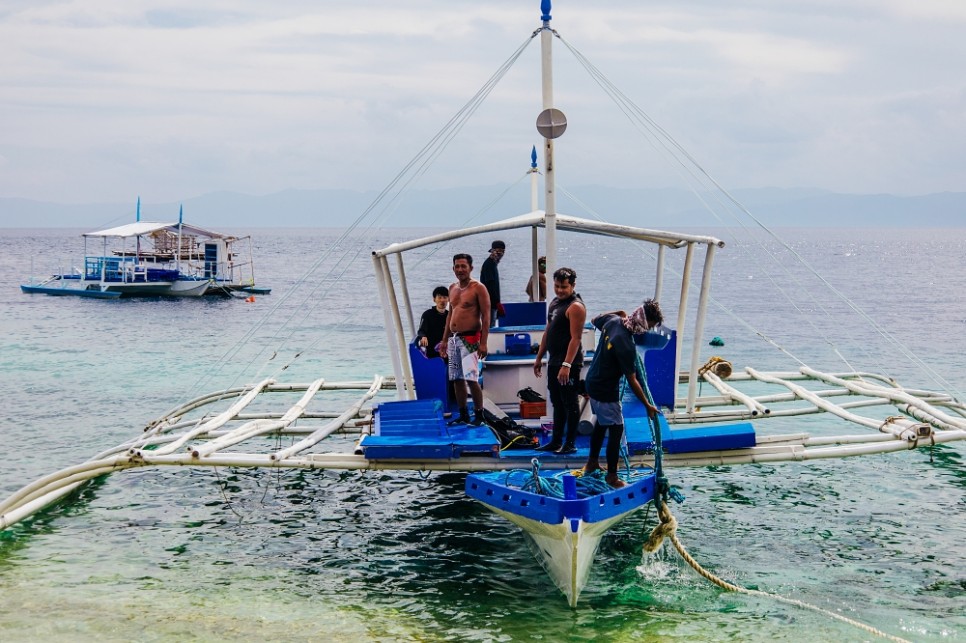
(517, 343)
(415, 430)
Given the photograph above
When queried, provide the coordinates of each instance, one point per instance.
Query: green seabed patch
(108, 612)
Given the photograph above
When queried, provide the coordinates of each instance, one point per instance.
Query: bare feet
(590, 467)
(615, 482)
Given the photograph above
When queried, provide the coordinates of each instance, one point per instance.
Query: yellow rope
(717, 365)
(889, 420)
(668, 528)
(513, 442)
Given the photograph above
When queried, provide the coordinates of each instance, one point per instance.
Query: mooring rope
(667, 528)
(588, 484)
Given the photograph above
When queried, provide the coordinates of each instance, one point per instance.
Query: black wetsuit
(431, 326)
(563, 397)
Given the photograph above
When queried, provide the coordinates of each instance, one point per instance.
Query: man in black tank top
(565, 326)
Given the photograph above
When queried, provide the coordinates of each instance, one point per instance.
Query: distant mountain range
(800, 207)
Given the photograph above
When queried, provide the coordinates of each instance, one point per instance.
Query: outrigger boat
(726, 426)
(155, 259)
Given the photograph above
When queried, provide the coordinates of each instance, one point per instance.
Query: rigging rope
(386, 202)
(655, 134)
(645, 248)
(662, 142)
(378, 211)
(667, 528)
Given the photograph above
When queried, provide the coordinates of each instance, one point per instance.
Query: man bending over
(616, 357)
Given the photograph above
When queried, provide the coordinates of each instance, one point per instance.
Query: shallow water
(253, 555)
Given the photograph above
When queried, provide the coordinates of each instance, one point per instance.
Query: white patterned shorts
(464, 363)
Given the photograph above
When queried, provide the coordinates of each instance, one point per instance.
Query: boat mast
(177, 261)
(137, 250)
(534, 241)
(550, 203)
(534, 187)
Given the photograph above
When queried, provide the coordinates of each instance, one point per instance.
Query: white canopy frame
(140, 228)
(392, 289)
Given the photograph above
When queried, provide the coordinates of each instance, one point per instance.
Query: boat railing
(124, 270)
(399, 316)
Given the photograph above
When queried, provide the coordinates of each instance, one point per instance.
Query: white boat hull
(179, 288)
(564, 530)
(188, 288)
(565, 552)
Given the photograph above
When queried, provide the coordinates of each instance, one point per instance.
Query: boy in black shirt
(433, 323)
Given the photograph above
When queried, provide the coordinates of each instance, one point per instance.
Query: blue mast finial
(545, 8)
(533, 157)
(180, 214)
(137, 217)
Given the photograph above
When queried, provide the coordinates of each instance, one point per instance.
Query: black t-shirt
(490, 277)
(616, 356)
(431, 326)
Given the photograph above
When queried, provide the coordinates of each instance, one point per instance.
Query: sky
(107, 100)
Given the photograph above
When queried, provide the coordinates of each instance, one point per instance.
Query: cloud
(927, 10)
(106, 98)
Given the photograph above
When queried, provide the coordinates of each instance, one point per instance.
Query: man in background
(490, 277)
(542, 266)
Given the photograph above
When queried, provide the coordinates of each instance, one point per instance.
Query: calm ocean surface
(239, 555)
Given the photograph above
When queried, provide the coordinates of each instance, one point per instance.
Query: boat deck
(63, 291)
(417, 430)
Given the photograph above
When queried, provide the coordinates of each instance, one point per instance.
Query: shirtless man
(464, 340)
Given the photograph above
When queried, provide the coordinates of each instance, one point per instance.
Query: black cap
(497, 245)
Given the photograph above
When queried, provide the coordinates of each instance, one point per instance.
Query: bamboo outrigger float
(729, 425)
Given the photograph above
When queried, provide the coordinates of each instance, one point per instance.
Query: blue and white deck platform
(417, 430)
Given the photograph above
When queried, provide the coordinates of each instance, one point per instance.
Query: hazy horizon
(104, 101)
(665, 207)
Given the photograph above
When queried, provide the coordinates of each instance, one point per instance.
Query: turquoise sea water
(253, 555)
